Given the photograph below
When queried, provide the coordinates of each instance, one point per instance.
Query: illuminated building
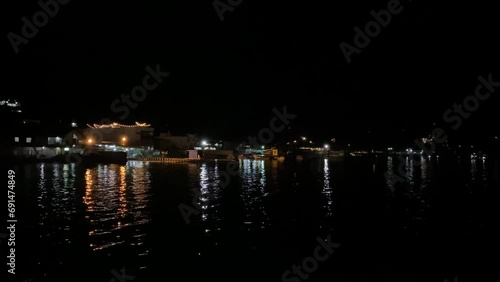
(138, 135)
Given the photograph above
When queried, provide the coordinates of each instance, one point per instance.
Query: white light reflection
(253, 181)
(327, 189)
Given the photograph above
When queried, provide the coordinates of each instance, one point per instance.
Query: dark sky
(226, 77)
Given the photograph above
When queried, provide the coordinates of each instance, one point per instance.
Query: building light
(16, 139)
(90, 141)
(10, 103)
(66, 149)
(28, 139)
(73, 124)
(117, 125)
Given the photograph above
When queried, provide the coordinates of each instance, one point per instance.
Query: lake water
(87, 223)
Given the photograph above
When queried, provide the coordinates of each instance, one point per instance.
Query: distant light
(304, 138)
(117, 125)
(10, 103)
(66, 149)
(124, 139)
(204, 143)
(327, 146)
(263, 147)
(310, 142)
(90, 141)
(294, 141)
(389, 149)
(73, 124)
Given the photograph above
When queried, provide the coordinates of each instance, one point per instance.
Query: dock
(165, 160)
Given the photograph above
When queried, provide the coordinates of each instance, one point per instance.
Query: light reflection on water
(117, 199)
(113, 204)
(252, 180)
(253, 184)
(327, 189)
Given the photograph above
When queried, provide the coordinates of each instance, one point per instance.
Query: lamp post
(203, 144)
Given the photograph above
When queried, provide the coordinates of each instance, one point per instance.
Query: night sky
(226, 77)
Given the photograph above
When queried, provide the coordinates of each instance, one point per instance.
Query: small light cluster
(117, 125)
(10, 103)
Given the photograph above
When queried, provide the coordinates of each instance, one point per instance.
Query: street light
(90, 141)
(203, 144)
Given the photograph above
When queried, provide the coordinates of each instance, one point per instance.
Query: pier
(165, 160)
